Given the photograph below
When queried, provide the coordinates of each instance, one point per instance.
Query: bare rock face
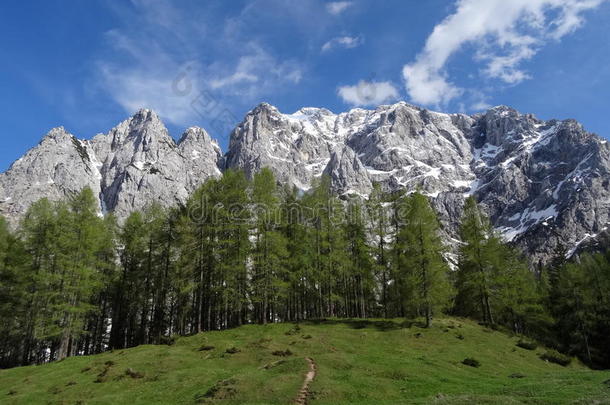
(135, 164)
(543, 183)
(57, 167)
(347, 174)
(397, 146)
(141, 163)
(297, 147)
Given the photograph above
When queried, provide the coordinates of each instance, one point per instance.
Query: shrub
(524, 344)
(396, 375)
(167, 340)
(133, 373)
(282, 353)
(294, 330)
(260, 343)
(471, 362)
(101, 377)
(221, 390)
(554, 356)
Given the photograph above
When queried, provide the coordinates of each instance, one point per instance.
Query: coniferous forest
(240, 251)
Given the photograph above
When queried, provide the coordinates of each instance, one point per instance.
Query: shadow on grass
(379, 324)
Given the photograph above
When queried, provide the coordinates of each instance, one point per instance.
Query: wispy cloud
(343, 42)
(256, 72)
(337, 7)
(159, 44)
(368, 93)
(507, 33)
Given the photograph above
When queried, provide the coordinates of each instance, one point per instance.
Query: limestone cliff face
(541, 182)
(135, 164)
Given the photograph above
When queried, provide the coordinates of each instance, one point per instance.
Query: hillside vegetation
(357, 362)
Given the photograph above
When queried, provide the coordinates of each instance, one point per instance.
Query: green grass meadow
(358, 362)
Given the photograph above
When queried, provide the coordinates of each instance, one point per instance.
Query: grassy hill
(357, 362)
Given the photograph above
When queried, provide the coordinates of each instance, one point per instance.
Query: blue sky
(87, 65)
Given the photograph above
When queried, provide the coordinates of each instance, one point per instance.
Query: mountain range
(544, 184)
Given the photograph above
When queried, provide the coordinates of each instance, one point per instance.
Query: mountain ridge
(543, 183)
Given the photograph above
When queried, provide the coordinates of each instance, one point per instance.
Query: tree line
(245, 251)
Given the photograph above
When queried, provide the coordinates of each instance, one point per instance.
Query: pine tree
(476, 277)
(129, 289)
(233, 246)
(40, 233)
(166, 257)
(328, 278)
(269, 246)
(183, 284)
(78, 267)
(396, 287)
(96, 337)
(13, 298)
(493, 281)
(420, 259)
(198, 251)
(360, 263)
(582, 314)
(379, 224)
(519, 300)
(295, 229)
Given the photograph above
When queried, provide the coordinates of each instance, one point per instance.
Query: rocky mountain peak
(134, 164)
(504, 125)
(194, 134)
(543, 183)
(263, 108)
(57, 134)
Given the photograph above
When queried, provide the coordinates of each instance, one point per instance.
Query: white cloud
(368, 93)
(256, 71)
(506, 33)
(132, 90)
(149, 80)
(342, 42)
(480, 106)
(337, 7)
(158, 44)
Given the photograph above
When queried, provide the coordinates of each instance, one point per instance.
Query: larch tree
(78, 265)
(269, 251)
(379, 224)
(476, 277)
(420, 260)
